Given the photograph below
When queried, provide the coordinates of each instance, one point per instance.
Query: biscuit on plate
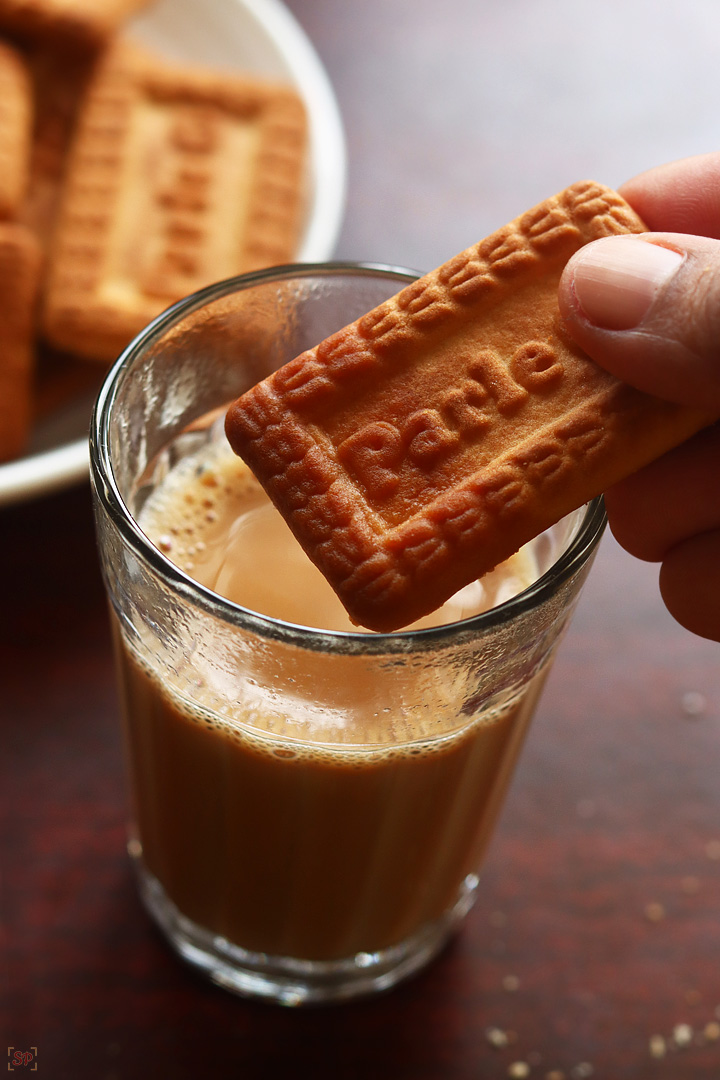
(59, 81)
(72, 20)
(178, 178)
(15, 129)
(20, 261)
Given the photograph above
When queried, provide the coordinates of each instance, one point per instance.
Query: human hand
(647, 308)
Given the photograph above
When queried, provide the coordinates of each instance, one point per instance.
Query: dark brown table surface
(598, 924)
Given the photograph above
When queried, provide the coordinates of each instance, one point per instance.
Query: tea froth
(212, 518)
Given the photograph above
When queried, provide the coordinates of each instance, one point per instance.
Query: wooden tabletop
(594, 950)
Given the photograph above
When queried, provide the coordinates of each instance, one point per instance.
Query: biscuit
(15, 129)
(71, 20)
(417, 448)
(59, 81)
(20, 262)
(178, 178)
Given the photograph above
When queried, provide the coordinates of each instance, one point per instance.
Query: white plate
(261, 36)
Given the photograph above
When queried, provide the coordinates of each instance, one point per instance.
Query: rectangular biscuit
(69, 20)
(16, 113)
(20, 261)
(178, 178)
(417, 448)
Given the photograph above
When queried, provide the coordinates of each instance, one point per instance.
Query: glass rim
(107, 492)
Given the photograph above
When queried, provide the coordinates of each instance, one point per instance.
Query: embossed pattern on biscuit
(414, 450)
(178, 178)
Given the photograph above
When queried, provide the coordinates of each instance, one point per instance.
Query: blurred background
(460, 116)
(594, 950)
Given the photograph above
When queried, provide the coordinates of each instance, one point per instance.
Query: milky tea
(283, 845)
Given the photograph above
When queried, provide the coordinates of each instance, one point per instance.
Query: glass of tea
(311, 803)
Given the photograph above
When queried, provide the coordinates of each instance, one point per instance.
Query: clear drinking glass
(310, 809)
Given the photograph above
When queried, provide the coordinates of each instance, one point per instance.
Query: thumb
(647, 309)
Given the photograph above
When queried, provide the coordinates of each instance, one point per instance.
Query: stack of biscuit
(126, 183)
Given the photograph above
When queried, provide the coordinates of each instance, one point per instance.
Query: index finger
(682, 196)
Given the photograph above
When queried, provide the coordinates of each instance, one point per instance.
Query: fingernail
(615, 280)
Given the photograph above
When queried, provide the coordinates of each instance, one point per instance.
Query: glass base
(286, 981)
